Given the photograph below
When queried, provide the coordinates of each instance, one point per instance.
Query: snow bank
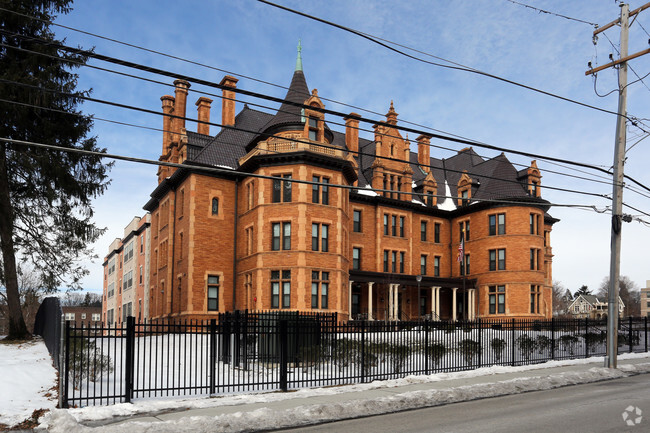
(70, 421)
(27, 378)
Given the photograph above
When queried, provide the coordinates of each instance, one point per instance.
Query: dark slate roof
(289, 114)
(492, 179)
(229, 145)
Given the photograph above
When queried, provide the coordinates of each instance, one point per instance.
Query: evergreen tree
(583, 290)
(45, 195)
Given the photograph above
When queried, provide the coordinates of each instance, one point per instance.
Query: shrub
(87, 361)
(436, 352)
(344, 352)
(568, 343)
(543, 343)
(310, 356)
(469, 349)
(498, 345)
(397, 353)
(593, 339)
(527, 346)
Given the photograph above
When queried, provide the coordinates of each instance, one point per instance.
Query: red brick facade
(273, 230)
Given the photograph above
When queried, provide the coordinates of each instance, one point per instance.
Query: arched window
(215, 206)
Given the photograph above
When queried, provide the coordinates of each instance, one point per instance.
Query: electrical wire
(231, 171)
(130, 107)
(553, 13)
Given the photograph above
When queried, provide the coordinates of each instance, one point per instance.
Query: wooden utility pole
(617, 196)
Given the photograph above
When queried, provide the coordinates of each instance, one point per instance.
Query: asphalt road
(595, 407)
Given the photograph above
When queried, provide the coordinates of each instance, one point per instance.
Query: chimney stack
(179, 106)
(352, 132)
(424, 158)
(167, 108)
(203, 115)
(228, 101)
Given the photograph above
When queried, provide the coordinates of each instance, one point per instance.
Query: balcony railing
(276, 145)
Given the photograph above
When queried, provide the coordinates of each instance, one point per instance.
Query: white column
(453, 304)
(438, 301)
(370, 300)
(470, 306)
(350, 301)
(396, 302)
(390, 302)
(435, 302)
(434, 311)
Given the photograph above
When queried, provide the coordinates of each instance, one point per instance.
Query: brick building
(645, 300)
(126, 273)
(270, 229)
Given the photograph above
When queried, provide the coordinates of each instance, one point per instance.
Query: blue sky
(248, 38)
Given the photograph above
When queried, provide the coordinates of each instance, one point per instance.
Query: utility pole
(617, 196)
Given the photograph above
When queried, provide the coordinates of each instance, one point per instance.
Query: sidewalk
(264, 412)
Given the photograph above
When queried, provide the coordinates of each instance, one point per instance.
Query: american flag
(461, 250)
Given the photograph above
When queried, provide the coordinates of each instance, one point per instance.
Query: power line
(227, 171)
(459, 68)
(130, 107)
(553, 13)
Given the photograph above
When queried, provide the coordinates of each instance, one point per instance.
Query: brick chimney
(181, 102)
(203, 115)
(352, 132)
(228, 101)
(424, 158)
(167, 108)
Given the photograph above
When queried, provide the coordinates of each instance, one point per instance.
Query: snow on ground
(26, 382)
(71, 421)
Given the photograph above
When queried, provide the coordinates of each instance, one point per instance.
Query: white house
(592, 306)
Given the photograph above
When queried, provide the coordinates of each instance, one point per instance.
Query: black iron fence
(263, 351)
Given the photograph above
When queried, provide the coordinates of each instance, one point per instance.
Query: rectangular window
(319, 286)
(356, 258)
(423, 231)
(276, 236)
(497, 259)
(467, 270)
(393, 220)
(533, 257)
(401, 262)
(492, 225)
(394, 262)
(320, 190)
(282, 189)
(140, 274)
(215, 206)
(141, 244)
(356, 226)
(281, 281)
(323, 231)
(423, 265)
(385, 261)
(213, 293)
(96, 317)
(313, 128)
(280, 236)
(501, 224)
(436, 266)
(534, 224)
(386, 224)
(401, 226)
(497, 299)
(69, 316)
(534, 299)
(436, 233)
(286, 236)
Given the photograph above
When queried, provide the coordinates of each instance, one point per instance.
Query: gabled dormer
(531, 179)
(314, 119)
(464, 189)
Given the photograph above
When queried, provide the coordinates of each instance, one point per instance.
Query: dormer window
(313, 128)
(464, 197)
(533, 188)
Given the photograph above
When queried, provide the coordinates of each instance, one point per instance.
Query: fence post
(586, 337)
(426, 346)
(552, 337)
(513, 342)
(236, 337)
(66, 366)
(480, 343)
(130, 359)
(213, 355)
(283, 353)
(363, 351)
(645, 331)
(629, 334)
(225, 339)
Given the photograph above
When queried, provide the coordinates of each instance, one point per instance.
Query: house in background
(126, 274)
(592, 307)
(88, 316)
(645, 300)
(268, 227)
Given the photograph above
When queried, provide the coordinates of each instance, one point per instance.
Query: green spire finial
(299, 59)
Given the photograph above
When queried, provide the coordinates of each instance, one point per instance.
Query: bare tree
(76, 299)
(629, 293)
(560, 299)
(30, 293)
